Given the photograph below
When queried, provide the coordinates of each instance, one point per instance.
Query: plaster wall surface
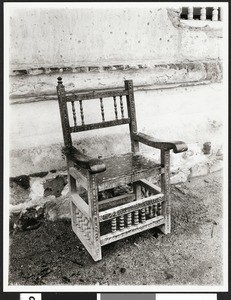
(66, 37)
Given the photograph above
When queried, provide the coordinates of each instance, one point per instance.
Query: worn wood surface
(124, 169)
(125, 164)
(94, 165)
(177, 146)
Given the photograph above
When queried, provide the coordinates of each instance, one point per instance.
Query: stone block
(54, 186)
(37, 189)
(220, 153)
(28, 219)
(215, 165)
(199, 170)
(57, 209)
(39, 174)
(181, 176)
(18, 194)
(37, 71)
(94, 69)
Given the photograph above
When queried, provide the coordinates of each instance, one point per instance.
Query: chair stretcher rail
(81, 204)
(120, 234)
(118, 200)
(150, 186)
(99, 125)
(95, 95)
(129, 207)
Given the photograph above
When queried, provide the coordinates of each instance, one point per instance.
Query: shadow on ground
(190, 255)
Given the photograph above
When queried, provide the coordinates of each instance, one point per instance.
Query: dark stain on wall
(40, 174)
(23, 181)
(55, 186)
(174, 16)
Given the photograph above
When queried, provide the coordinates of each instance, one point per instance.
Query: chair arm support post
(177, 146)
(92, 164)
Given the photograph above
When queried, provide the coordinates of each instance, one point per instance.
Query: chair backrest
(73, 99)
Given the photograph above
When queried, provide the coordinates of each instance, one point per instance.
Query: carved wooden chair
(147, 206)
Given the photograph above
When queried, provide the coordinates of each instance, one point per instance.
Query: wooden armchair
(147, 206)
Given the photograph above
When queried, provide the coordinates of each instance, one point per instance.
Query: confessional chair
(97, 223)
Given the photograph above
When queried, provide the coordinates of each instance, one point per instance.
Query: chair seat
(124, 169)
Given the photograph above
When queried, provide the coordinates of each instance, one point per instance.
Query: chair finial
(60, 80)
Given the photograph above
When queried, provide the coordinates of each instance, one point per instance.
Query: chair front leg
(165, 188)
(94, 211)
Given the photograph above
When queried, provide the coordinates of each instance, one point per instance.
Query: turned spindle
(203, 14)
(151, 213)
(159, 209)
(81, 111)
(129, 219)
(113, 225)
(115, 108)
(215, 14)
(74, 113)
(102, 109)
(155, 210)
(190, 13)
(121, 222)
(136, 217)
(143, 216)
(121, 107)
(147, 210)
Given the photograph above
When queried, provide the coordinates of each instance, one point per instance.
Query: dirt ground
(190, 255)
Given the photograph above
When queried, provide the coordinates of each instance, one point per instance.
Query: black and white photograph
(116, 147)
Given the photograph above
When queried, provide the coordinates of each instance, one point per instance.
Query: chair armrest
(177, 146)
(93, 165)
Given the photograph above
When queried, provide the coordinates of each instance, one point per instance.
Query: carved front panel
(83, 224)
